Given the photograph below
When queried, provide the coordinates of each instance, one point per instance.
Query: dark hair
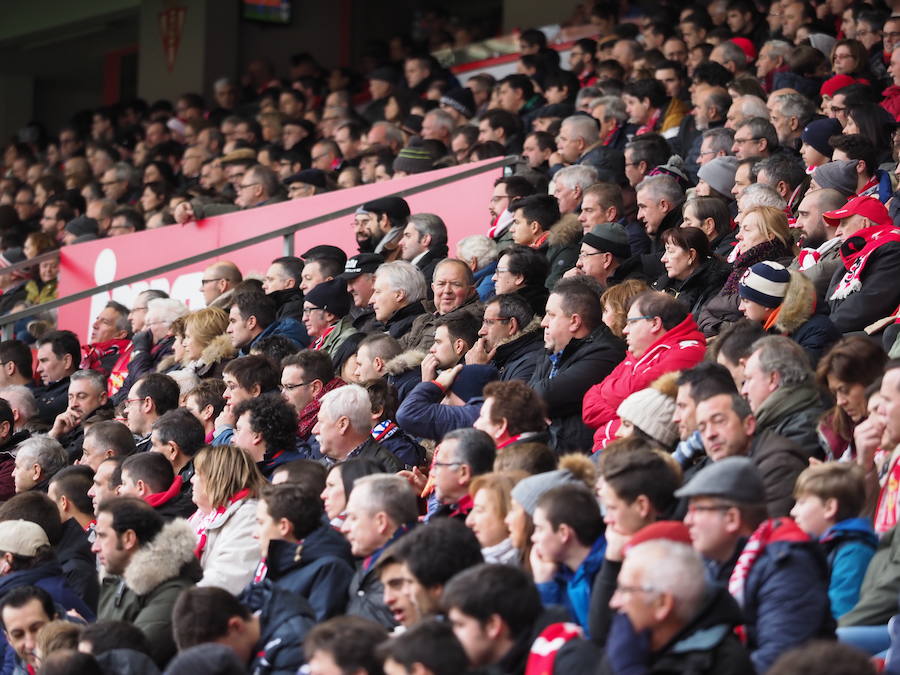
(351, 642)
(823, 656)
(667, 308)
(513, 306)
(474, 448)
(316, 365)
(201, 614)
(383, 396)
(130, 513)
(687, 238)
(104, 636)
(6, 414)
(854, 360)
(712, 73)
(275, 347)
(503, 119)
(151, 468)
(161, 389)
(712, 207)
(354, 469)
(485, 590)
(530, 457)
(253, 370)
(73, 483)
(19, 353)
(179, 426)
(539, 208)
(516, 186)
(273, 418)
(650, 89)
(534, 37)
(520, 82)
(430, 643)
(63, 342)
(300, 505)
(68, 661)
(581, 296)
(527, 262)
(576, 506)
(519, 404)
(460, 326)
(256, 304)
(35, 507)
(707, 379)
(209, 392)
(736, 340)
(20, 596)
(857, 146)
(436, 553)
(305, 472)
(650, 148)
(634, 467)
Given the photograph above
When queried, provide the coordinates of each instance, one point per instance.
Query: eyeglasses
(491, 322)
(440, 464)
(699, 508)
(291, 387)
(746, 140)
(639, 318)
(582, 256)
(248, 185)
(501, 269)
(203, 282)
(308, 310)
(132, 400)
(622, 588)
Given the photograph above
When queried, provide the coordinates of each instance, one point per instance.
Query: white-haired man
(344, 429)
(397, 296)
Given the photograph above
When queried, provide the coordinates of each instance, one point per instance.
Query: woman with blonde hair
(763, 236)
(206, 346)
(616, 300)
(226, 485)
(491, 501)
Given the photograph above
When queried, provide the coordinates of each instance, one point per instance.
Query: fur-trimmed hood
(405, 361)
(798, 305)
(219, 349)
(533, 326)
(567, 231)
(161, 559)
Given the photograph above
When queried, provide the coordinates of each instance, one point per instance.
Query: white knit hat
(651, 411)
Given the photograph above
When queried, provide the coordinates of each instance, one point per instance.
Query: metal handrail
(286, 232)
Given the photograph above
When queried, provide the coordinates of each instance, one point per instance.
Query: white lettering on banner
(186, 287)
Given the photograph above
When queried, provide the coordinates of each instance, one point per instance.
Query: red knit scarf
(214, 518)
(774, 529)
(855, 253)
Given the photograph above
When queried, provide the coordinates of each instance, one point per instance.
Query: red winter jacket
(891, 101)
(682, 347)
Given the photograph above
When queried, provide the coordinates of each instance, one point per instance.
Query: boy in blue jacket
(830, 498)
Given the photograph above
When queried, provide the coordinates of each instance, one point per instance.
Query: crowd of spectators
(647, 422)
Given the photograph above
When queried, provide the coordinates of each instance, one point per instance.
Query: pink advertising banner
(462, 204)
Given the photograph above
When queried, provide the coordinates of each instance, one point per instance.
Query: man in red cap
(865, 289)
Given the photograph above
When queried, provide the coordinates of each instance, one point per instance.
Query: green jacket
(342, 330)
(146, 593)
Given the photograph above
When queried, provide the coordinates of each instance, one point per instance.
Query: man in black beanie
(326, 310)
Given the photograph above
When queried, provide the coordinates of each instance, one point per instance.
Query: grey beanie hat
(529, 491)
(651, 411)
(839, 175)
(719, 173)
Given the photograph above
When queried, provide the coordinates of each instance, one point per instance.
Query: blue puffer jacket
(785, 599)
(421, 413)
(849, 545)
(286, 326)
(572, 589)
(319, 571)
(484, 281)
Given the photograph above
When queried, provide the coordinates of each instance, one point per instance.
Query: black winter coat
(695, 291)
(399, 324)
(79, 565)
(517, 359)
(285, 619)
(878, 297)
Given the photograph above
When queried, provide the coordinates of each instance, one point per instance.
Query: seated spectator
(568, 548)
(687, 608)
(226, 486)
(380, 511)
(24, 407)
(109, 349)
(373, 360)
(23, 612)
(415, 569)
(107, 480)
(386, 431)
(265, 428)
(729, 429)
(454, 335)
(245, 378)
(783, 587)
(68, 489)
(830, 499)
(88, 402)
(252, 318)
(451, 401)
(380, 224)
(148, 399)
(264, 630)
(103, 440)
(454, 296)
(480, 253)
(779, 386)
(205, 402)
(282, 284)
(206, 347)
(461, 455)
(496, 614)
(606, 256)
(648, 414)
(616, 300)
(148, 563)
(523, 271)
(218, 283)
(344, 427)
(58, 356)
(858, 294)
(693, 274)
(734, 345)
(658, 200)
(491, 502)
(581, 351)
(37, 460)
(785, 303)
(510, 338)
(763, 235)
(149, 476)
(711, 215)
(359, 273)
(339, 483)
(424, 243)
(178, 436)
(326, 315)
(9, 442)
(820, 255)
(397, 296)
(512, 413)
(662, 338)
(345, 644)
(305, 378)
(429, 646)
(301, 553)
(535, 219)
(17, 364)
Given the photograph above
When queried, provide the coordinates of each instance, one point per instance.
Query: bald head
(219, 278)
